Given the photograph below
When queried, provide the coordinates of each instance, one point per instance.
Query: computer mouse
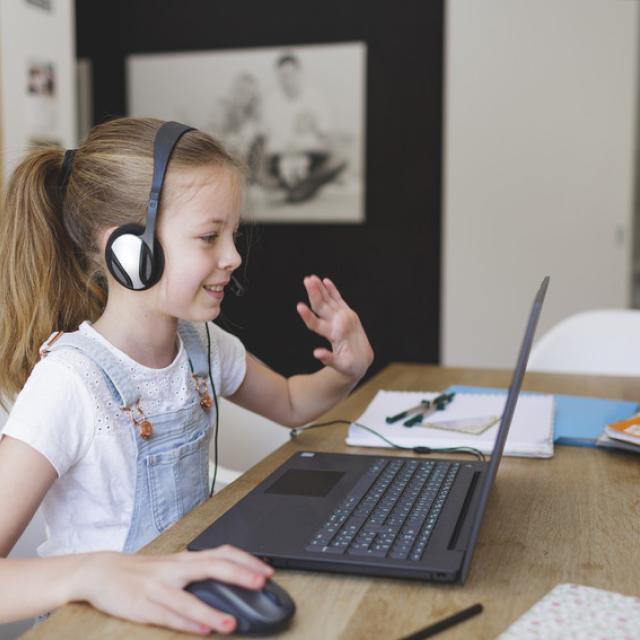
(258, 613)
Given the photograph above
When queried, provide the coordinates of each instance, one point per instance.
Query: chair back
(598, 342)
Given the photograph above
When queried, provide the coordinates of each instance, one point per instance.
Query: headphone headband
(165, 142)
(133, 255)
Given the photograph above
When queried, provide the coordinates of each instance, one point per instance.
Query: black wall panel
(387, 268)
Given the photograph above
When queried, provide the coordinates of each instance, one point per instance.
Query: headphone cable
(417, 449)
(215, 400)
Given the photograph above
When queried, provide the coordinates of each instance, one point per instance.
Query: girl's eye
(209, 239)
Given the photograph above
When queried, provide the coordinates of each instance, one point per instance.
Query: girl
(111, 424)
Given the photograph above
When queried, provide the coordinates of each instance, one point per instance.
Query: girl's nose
(230, 259)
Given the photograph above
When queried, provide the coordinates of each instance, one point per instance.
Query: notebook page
(531, 432)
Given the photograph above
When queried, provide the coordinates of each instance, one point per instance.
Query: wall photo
(41, 113)
(295, 115)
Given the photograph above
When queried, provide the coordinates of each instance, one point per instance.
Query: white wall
(540, 107)
(30, 34)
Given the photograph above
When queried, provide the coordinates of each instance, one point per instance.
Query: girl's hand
(149, 589)
(331, 317)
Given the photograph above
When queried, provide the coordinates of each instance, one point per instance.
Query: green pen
(437, 404)
(423, 405)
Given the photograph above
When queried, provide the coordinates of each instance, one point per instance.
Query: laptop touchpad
(305, 482)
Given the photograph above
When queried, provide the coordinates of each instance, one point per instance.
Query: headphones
(133, 255)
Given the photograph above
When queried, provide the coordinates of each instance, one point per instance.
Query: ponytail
(44, 279)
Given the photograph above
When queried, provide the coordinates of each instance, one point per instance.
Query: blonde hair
(52, 274)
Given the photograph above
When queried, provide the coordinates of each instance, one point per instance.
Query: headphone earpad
(130, 261)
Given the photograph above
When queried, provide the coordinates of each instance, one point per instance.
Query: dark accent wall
(388, 268)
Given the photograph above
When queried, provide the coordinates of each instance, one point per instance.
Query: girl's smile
(216, 291)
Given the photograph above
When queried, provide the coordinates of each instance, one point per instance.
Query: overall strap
(195, 348)
(102, 357)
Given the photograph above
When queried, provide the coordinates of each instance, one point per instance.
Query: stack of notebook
(624, 434)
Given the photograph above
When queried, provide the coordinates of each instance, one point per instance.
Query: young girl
(112, 419)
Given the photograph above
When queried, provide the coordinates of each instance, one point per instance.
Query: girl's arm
(297, 400)
(140, 588)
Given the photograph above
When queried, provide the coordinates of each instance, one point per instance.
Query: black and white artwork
(294, 115)
(41, 104)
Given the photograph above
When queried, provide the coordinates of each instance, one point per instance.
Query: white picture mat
(186, 86)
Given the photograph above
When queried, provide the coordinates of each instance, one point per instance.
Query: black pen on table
(445, 623)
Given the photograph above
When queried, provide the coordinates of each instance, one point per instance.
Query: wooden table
(572, 518)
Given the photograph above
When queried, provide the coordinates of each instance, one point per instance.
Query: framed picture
(41, 112)
(294, 115)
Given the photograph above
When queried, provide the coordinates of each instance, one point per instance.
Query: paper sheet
(531, 433)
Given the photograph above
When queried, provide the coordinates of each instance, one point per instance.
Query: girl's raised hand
(150, 589)
(331, 317)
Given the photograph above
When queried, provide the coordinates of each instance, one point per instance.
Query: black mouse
(258, 613)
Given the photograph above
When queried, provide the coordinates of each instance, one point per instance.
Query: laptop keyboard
(390, 512)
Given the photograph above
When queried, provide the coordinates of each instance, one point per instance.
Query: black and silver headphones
(133, 254)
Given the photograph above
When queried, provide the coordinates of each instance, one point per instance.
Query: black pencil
(437, 627)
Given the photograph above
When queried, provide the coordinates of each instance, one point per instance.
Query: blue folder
(578, 420)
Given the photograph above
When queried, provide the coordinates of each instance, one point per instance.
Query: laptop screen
(507, 415)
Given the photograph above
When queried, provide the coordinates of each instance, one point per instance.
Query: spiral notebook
(460, 423)
(575, 611)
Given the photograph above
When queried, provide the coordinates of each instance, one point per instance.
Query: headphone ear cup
(130, 261)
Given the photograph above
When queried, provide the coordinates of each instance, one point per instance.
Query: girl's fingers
(311, 319)
(225, 571)
(333, 292)
(181, 604)
(163, 616)
(316, 300)
(242, 557)
(325, 356)
(318, 295)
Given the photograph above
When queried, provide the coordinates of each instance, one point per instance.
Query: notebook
(531, 433)
(576, 611)
(625, 430)
(605, 442)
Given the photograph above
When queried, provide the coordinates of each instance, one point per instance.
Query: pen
(445, 623)
(423, 404)
(437, 404)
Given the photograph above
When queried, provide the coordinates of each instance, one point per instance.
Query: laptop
(376, 515)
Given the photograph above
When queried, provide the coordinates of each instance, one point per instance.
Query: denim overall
(172, 465)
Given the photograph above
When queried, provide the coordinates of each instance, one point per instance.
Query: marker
(423, 404)
(437, 404)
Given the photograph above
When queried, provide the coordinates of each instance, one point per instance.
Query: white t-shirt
(67, 413)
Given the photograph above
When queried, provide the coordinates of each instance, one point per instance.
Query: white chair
(598, 342)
